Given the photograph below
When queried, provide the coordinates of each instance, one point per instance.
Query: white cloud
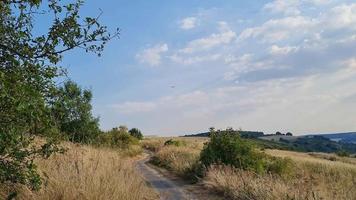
(225, 36)
(276, 30)
(188, 23)
(342, 16)
(288, 7)
(319, 2)
(189, 60)
(152, 56)
(291, 7)
(295, 71)
(304, 104)
(276, 50)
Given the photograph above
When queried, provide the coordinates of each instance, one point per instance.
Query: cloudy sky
(184, 66)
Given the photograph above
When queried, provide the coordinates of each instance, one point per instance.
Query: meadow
(87, 172)
(309, 176)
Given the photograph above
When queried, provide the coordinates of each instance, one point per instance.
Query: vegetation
(28, 68)
(310, 143)
(71, 108)
(227, 148)
(229, 170)
(116, 138)
(313, 181)
(174, 142)
(85, 172)
(135, 132)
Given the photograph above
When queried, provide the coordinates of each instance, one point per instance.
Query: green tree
(72, 110)
(135, 132)
(28, 66)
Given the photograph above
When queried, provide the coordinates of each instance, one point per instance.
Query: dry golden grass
(314, 175)
(156, 143)
(313, 178)
(85, 172)
(334, 157)
(178, 159)
(318, 158)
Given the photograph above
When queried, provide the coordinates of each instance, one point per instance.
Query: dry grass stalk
(88, 173)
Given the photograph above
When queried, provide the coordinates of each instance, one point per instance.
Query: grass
(181, 159)
(85, 172)
(313, 178)
(314, 175)
(176, 159)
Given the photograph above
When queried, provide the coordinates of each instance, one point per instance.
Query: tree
(72, 110)
(289, 134)
(278, 133)
(28, 66)
(136, 133)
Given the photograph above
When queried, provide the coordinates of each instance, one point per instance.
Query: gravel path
(168, 190)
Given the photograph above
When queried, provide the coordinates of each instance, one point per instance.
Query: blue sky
(184, 66)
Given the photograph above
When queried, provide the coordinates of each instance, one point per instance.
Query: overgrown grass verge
(311, 181)
(286, 175)
(85, 172)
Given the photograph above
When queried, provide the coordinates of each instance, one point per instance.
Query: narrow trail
(168, 190)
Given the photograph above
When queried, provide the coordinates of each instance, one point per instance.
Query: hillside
(349, 137)
(328, 143)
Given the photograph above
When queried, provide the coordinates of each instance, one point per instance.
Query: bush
(343, 153)
(226, 147)
(116, 138)
(177, 143)
(136, 133)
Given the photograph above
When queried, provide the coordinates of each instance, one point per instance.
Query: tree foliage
(72, 110)
(28, 65)
(135, 132)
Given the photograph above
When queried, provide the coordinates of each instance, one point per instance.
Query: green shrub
(226, 147)
(136, 133)
(116, 138)
(177, 143)
(343, 153)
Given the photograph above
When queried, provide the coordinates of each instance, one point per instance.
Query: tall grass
(312, 179)
(85, 172)
(312, 176)
(176, 159)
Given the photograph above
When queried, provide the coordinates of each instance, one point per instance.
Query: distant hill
(243, 134)
(349, 137)
(329, 143)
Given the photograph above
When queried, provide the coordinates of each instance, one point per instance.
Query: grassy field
(85, 172)
(312, 176)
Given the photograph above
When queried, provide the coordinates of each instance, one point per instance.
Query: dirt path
(168, 190)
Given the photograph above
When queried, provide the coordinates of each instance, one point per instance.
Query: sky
(183, 66)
